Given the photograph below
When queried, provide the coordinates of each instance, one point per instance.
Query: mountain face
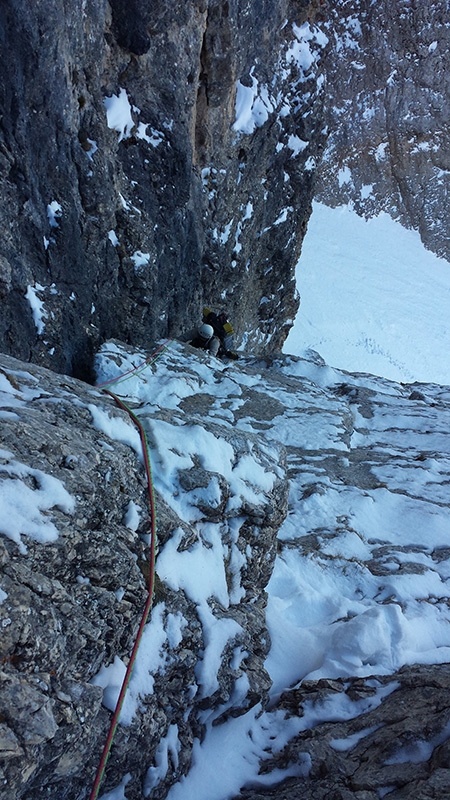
(302, 568)
(155, 158)
(388, 112)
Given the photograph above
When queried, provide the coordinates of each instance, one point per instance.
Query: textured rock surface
(125, 224)
(70, 605)
(401, 744)
(74, 603)
(388, 113)
(128, 229)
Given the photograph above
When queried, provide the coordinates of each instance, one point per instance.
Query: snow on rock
(359, 584)
(37, 306)
(387, 113)
(302, 571)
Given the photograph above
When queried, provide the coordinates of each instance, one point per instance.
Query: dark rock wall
(148, 223)
(388, 113)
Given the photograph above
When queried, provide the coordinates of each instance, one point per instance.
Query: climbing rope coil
(105, 387)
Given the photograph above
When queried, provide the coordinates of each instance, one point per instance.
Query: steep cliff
(388, 90)
(154, 157)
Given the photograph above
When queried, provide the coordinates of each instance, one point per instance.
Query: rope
(140, 367)
(151, 580)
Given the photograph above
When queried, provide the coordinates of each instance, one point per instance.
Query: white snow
(252, 106)
(344, 176)
(305, 48)
(155, 138)
(119, 117)
(297, 145)
(37, 306)
(132, 516)
(159, 635)
(223, 237)
(25, 509)
(168, 748)
(93, 147)
(373, 299)
(140, 259)
(54, 213)
(118, 113)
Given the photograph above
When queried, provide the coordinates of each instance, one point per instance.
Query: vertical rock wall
(388, 113)
(129, 196)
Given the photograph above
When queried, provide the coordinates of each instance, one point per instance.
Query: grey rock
(74, 604)
(176, 186)
(384, 750)
(388, 112)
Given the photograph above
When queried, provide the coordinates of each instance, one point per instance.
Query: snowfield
(373, 299)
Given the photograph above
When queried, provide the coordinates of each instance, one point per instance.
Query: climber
(223, 330)
(215, 335)
(204, 338)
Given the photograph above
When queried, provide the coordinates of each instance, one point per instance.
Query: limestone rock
(154, 204)
(228, 441)
(402, 743)
(388, 112)
(74, 572)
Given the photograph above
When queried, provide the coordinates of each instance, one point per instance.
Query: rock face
(226, 442)
(74, 567)
(154, 158)
(362, 757)
(160, 158)
(388, 113)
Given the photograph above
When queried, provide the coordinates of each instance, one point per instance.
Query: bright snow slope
(373, 299)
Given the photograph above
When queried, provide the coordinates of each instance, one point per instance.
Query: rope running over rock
(152, 556)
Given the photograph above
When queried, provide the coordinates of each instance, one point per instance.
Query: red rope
(147, 361)
(151, 581)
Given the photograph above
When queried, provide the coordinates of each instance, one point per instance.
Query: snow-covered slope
(360, 583)
(373, 299)
(355, 586)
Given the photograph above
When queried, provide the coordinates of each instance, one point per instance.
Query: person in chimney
(215, 335)
(204, 338)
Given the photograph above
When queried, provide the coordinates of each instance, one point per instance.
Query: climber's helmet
(206, 331)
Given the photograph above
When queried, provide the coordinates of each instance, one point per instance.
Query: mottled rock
(74, 584)
(143, 219)
(388, 113)
(402, 743)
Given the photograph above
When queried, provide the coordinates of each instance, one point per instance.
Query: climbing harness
(151, 580)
